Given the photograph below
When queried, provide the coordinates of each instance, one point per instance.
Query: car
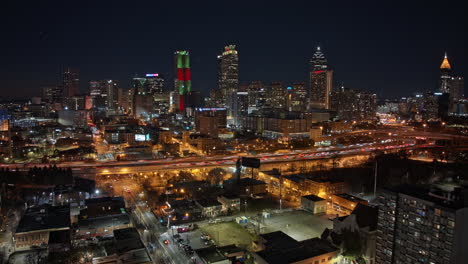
(205, 238)
(166, 242)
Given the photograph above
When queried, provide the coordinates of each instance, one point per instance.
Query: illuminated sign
(289, 88)
(140, 137)
(152, 74)
(211, 109)
(437, 93)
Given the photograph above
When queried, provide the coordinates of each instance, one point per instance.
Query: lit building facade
(445, 75)
(353, 104)
(275, 95)
(228, 81)
(104, 94)
(417, 225)
(321, 81)
(70, 81)
(457, 87)
(183, 80)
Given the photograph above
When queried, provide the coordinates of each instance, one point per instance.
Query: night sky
(392, 48)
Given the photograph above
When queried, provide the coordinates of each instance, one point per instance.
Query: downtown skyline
(362, 54)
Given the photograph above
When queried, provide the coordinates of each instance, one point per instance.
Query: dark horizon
(383, 48)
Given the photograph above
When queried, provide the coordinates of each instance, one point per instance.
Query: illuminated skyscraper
(183, 81)
(275, 95)
(70, 81)
(457, 87)
(104, 94)
(445, 75)
(228, 73)
(228, 80)
(154, 83)
(321, 81)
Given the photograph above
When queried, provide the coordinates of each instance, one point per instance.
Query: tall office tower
(457, 88)
(418, 225)
(154, 83)
(445, 75)
(96, 93)
(299, 97)
(138, 85)
(228, 80)
(52, 94)
(70, 82)
(353, 104)
(276, 95)
(112, 94)
(183, 80)
(321, 81)
(257, 95)
(104, 94)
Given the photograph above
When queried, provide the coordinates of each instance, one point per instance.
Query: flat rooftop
(210, 255)
(314, 198)
(208, 202)
(103, 221)
(280, 248)
(432, 195)
(45, 217)
(350, 197)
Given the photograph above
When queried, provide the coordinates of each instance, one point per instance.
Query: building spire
(445, 63)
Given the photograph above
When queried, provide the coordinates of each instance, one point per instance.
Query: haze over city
(389, 48)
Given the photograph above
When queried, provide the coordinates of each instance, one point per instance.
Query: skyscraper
(321, 81)
(445, 75)
(70, 82)
(154, 83)
(52, 94)
(104, 94)
(457, 87)
(353, 104)
(228, 79)
(183, 80)
(299, 97)
(276, 95)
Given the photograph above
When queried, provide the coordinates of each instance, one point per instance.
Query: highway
(386, 141)
(126, 167)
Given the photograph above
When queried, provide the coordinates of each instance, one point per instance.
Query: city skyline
(368, 59)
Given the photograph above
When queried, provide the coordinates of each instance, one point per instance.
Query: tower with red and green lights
(183, 81)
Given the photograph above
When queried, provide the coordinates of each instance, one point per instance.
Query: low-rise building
(39, 223)
(128, 248)
(279, 248)
(229, 202)
(314, 204)
(209, 207)
(102, 216)
(346, 203)
(211, 255)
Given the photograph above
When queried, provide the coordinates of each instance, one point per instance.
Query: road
(126, 167)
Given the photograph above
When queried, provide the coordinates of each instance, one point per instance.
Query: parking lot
(298, 224)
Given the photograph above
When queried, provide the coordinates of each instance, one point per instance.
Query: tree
(352, 247)
(216, 175)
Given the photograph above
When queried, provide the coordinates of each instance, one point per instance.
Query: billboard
(140, 137)
(4, 124)
(250, 162)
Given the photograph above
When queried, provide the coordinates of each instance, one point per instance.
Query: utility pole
(281, 194)
(375, 180)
